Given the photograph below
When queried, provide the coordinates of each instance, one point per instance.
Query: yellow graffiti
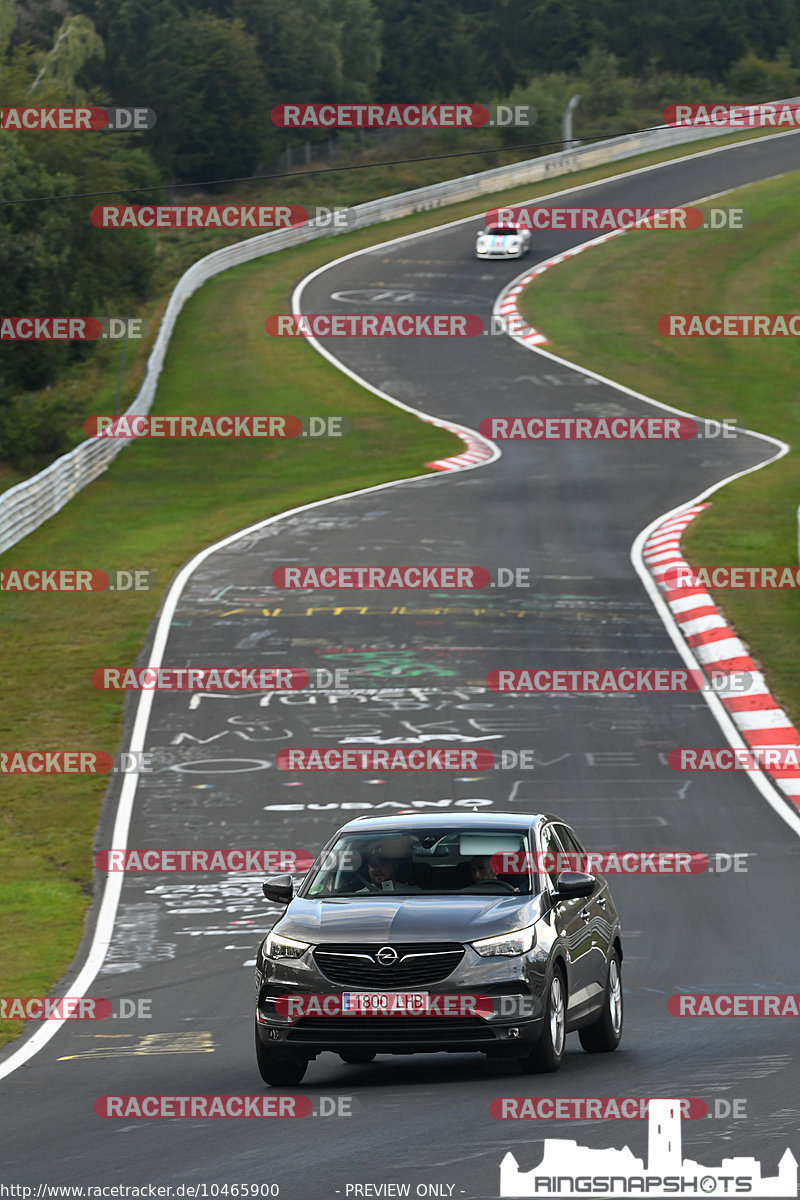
(151, 1043)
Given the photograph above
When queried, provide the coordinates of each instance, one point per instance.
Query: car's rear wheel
(548, 1053)
(278, 1072)
(606, 1033)
(357, 1058)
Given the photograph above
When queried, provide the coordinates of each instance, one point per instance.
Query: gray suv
(420, 933)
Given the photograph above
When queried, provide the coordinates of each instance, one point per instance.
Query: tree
(7, 20)
(753, 78)
(205, 83)
(432, 52)
(360, 48)
(76, 44)
(53, 261)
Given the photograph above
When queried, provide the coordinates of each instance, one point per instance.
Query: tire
(548, 1053)
(278, 1072)
(606, 1032)
(357, 1058)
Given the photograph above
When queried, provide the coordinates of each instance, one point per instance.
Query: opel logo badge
(387, 956)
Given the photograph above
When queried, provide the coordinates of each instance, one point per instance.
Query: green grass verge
(155, 507)
(600, 310)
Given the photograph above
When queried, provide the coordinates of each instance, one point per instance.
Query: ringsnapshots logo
(569, 1170)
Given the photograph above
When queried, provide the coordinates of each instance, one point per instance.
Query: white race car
(502, 241)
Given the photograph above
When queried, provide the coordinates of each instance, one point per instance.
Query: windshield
(421, 862)
(502, 230)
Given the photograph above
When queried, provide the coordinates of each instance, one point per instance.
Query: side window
(571, 845)
(551, 847)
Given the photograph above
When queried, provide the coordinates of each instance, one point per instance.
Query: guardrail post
(566, 122)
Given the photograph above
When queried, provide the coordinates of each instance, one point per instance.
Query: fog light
(513, 1032)
(274, 1034)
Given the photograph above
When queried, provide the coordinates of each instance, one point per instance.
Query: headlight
(507, 944)
(513, 245)
(276, 946)
(482, 243)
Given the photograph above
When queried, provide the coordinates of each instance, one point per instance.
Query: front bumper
(498, 254)
(310, 1036)
(516, 987)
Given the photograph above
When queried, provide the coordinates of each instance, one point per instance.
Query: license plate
(385, 1004)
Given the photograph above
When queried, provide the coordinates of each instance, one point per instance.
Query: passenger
(387, 866)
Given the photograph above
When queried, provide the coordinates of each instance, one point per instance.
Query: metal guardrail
(28, 504)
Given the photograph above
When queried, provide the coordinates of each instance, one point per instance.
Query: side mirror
(571, 885)
(278, 888)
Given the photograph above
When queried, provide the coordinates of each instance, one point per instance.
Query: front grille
(383, 1031)
(354, 965)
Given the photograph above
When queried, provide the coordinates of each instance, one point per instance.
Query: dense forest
(213, 69)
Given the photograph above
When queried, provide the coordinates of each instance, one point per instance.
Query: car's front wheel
(278, 1072)
(605, 1033)
(548, 1053)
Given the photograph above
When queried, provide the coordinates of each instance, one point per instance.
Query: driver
(481, 870)
(388, 863)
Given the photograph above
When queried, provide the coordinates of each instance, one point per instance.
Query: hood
(386, 918)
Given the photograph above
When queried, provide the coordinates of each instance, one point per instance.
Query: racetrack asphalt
(417, 664)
